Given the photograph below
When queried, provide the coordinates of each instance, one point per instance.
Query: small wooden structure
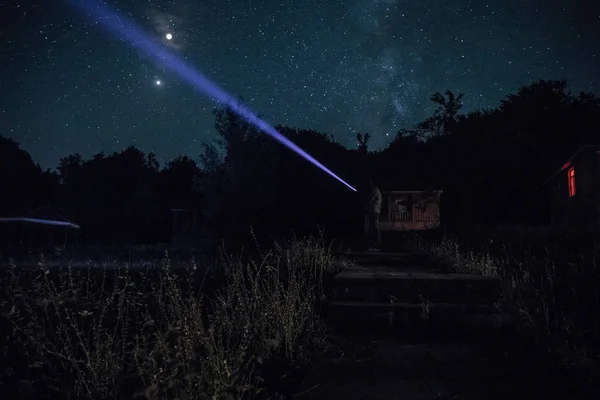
(38, 230)
(190, 226)
(573, 191)
(407, 210)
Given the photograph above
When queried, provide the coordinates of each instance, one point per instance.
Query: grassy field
(239, 327)
(551, 282)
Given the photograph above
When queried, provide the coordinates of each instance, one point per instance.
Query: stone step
(381, 258)
(415, 286)
(439, 317)
(377, 268)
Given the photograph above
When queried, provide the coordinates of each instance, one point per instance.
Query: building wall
(583, 209)
(410, 211)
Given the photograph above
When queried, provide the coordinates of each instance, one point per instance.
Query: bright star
(169, 36)
(158, 83)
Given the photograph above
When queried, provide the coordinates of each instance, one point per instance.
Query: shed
(408, 210)
(573, 191)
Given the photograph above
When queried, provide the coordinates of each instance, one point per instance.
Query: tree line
(490, 164)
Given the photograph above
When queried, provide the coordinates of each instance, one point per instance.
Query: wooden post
(194, 223)
(413, 217)
(174, 221)
(22, 233)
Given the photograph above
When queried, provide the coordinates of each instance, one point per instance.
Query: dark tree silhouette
(179, 181)
(115, 197)
(444, 117)
(23, 184)
(363, 141)
(490, 164)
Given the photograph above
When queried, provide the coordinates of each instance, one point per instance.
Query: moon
(169, 36)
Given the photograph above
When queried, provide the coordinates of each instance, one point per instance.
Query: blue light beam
(123, 28)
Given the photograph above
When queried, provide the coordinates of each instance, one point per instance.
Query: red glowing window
(571, 175)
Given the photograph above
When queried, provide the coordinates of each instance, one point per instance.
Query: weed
(551, 288)
(107, 332)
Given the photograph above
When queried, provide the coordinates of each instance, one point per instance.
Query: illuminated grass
(234, 330)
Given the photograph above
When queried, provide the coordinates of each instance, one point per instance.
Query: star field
(339, 67)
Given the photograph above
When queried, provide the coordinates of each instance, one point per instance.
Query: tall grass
(552, 290)
(157, 333)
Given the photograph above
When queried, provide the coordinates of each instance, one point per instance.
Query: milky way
(339, 67)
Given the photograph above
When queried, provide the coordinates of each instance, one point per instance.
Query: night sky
(336, 66)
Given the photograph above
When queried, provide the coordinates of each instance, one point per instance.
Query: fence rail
(415, 216)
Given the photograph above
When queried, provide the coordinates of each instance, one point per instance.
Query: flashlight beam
(124, 28)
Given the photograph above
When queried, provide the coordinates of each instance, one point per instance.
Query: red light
(571, 176)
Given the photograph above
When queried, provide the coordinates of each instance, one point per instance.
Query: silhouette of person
(373, 210)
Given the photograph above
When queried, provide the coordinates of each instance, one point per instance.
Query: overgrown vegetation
(158, 333)
(551, 285)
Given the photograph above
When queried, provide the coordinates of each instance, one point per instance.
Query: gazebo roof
(43, 216)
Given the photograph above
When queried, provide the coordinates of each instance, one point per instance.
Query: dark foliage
(490, 164)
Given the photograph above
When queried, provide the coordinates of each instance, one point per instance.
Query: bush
(158, 333)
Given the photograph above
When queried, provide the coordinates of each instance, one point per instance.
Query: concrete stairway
(403, 291)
